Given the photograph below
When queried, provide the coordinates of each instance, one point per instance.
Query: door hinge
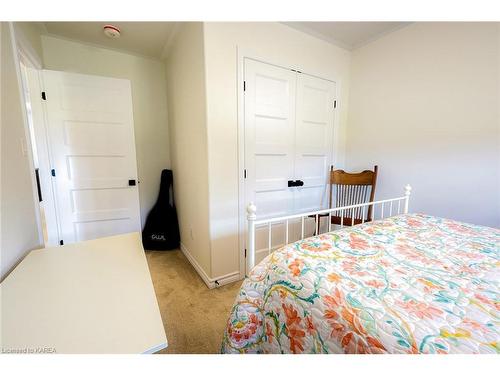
(245, 253)
(53, 172)
(44, 97)
(61, 242)
(245, 173)
(244, 85)
(334, 104)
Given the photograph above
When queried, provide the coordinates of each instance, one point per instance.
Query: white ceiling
(349, 35)
(153, 38)
(143, 38)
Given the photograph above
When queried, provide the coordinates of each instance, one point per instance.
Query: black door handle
(131, 182)
(295, 183)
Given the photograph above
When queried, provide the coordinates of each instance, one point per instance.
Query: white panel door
(314, 141)
(269, 137)
(269, 142)
(91, 138)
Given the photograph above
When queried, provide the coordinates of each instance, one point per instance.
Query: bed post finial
(407, 197)
(251, 210)
(250, 250)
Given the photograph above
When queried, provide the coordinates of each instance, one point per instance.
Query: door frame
(17, 51)
(242, 54)
(28, 57)
(42, 139)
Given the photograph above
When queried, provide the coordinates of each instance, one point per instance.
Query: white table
(89, 297)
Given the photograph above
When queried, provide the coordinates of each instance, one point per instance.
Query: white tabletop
(89, 297)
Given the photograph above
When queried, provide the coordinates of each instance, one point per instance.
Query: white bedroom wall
(276, 43)
(28, 37)
(148, 82)
(18, 219)
(424, 106)
(188, 141)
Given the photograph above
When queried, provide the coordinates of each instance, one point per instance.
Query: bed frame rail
(350, 212)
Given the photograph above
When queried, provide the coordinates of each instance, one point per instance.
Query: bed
(408, 283)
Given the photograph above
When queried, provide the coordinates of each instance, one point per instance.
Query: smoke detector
(111, 31)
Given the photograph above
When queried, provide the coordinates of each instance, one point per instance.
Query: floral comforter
(407, 284)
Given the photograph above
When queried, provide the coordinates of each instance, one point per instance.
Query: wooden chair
(348, 189)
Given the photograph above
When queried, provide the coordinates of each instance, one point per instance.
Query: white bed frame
(356, 211)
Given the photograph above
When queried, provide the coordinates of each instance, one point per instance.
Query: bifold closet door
(269, 145)
(288, 137)
(91, 139)
(269, 137)
(314, 141)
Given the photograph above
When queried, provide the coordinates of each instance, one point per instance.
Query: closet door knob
(295, 183)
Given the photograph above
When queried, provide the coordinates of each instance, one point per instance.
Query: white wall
(148, 82)
(19, 228)
(28, 37)
(424, 106)
(188, 142)
(277, 44)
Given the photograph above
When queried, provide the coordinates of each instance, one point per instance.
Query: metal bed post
(407, 198)
(250, 250)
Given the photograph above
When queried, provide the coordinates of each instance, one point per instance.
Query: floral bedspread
(407, 284)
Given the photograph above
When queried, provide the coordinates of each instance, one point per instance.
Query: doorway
(82, 134)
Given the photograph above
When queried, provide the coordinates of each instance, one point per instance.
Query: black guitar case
(161, 231)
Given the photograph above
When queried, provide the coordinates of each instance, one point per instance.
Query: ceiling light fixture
(111, 31)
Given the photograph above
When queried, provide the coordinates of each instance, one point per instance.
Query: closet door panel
(269, 137)
(269, 146)
(314, 140)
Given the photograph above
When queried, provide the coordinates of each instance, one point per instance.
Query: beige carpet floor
(194, 316)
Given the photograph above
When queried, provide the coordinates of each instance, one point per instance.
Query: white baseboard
(210, 282)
